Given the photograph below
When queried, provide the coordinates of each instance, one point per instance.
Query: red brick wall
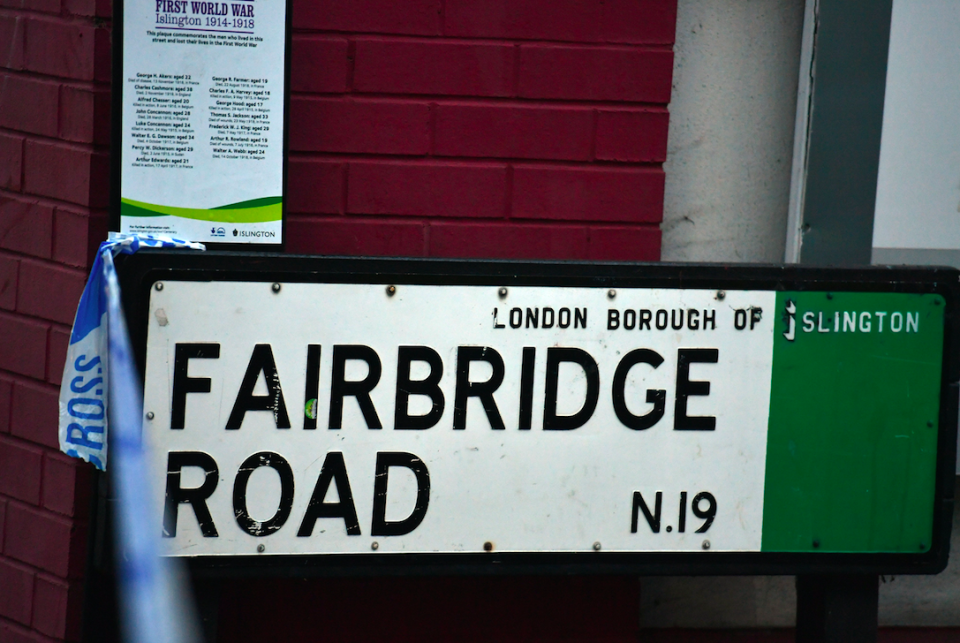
(54, 130)
(501, 128)
(469, 128)
(479, 128)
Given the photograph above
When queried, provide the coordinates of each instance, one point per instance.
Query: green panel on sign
(262, 210)
(854, 406)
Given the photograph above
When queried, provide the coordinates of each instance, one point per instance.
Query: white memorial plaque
(203, 88)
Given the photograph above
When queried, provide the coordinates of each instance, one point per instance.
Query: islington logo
(790, 313)
(860, 320)
(258, 234)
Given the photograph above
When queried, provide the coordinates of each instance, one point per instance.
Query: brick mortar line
(27, 443)
(472, 161)
(16, 561)
(502, 219)
(351, 65)
(64, 17)
(72, 83)
(432, 130)
(324, 34)
(480, 101)
(26, 379)
(414, 219)
(508, 194)
(39, 507)
(70, 145)
(51, 202)
(594, 132)
(53, 370)
(13, 253)
(344, 188)
(67, 328)
(47, 576)
(55, 203)
(29, 629)
(16, 254)
(518, 220)
(517, 71)
(68, 20)
(50, 513)
(447, 39)
(44, 457)
(78, 271)
(39, 75)
(23, 166)
(85, 85)
(34, 318)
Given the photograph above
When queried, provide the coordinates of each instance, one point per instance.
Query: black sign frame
(141, 271)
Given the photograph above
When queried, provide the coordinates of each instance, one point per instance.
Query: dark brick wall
(480, 128)
(54, 130)
(596, 609)
(474, 128)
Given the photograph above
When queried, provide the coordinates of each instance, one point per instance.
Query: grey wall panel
(850, 70)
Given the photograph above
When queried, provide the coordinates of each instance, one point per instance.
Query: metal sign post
(381, 416)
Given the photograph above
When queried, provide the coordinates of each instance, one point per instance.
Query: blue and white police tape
(155, 607)
(101, 386)
(83, 391)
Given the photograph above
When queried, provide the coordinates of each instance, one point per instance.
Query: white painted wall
(918, 182)
(731, 130)
(728, 168)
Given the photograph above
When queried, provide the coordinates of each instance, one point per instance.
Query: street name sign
(648, 417)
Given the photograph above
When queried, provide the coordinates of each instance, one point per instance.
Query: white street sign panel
(346, 418)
